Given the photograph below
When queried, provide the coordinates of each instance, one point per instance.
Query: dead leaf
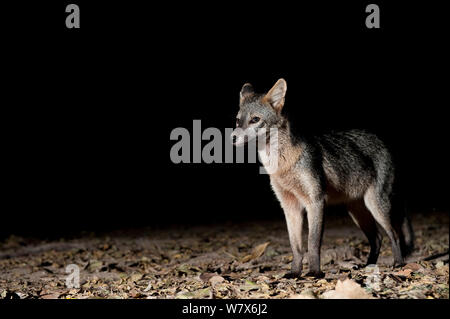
(413, 266)
(51, 296)
(206, 276)
(305, 294)
(442, 269)
(248, 286)
(201, 293)
(347, 265)
(134, 293)
(187, 269)
(73, 291)
(214, 280)
(135, 277)
(149, 287)
(258, 251)
(94, 265)
(347, 289)
(389, 282)
(404, 273)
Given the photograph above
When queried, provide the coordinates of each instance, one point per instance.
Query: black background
(89, 112)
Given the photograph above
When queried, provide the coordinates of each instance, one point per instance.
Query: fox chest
(290, 184)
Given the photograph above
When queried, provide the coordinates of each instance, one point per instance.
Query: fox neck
(286, 150)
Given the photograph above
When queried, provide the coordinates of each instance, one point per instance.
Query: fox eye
(254, 120)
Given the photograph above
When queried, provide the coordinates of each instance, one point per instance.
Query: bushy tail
(401, 220)
(408, 236)
(402, 225)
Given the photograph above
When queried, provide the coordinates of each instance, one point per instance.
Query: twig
(435, 256)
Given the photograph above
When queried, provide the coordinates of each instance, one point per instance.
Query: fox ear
(275, 97)
(246, 90)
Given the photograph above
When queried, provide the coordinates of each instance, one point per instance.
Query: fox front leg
(315, 225)
(295, 217)
(294, 214)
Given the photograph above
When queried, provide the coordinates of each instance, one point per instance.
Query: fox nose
(234, 138)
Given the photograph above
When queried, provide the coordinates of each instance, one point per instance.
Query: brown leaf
(135, 277)
(404, 273)
(441, 268)
(206, 276)
(134, 293)
(201, 293)
(73, 291)
(413, 267)
(258, 251)
(347, 289)
(94, 265)
(51, 296)
(187, 269)
(347, 265)
(214, 280)
(305, 294)
(248, 286)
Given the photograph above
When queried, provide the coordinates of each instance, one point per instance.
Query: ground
(245, 260)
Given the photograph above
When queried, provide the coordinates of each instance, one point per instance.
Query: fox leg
(295, 224)
(294, 214)
(380, 208)
(315, 224)
(365, 221)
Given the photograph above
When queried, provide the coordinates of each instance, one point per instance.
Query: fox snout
(240, 137)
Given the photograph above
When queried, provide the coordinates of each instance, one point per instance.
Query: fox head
(258, 112)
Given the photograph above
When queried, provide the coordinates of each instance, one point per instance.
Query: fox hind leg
(365, 221)
(380, 207)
